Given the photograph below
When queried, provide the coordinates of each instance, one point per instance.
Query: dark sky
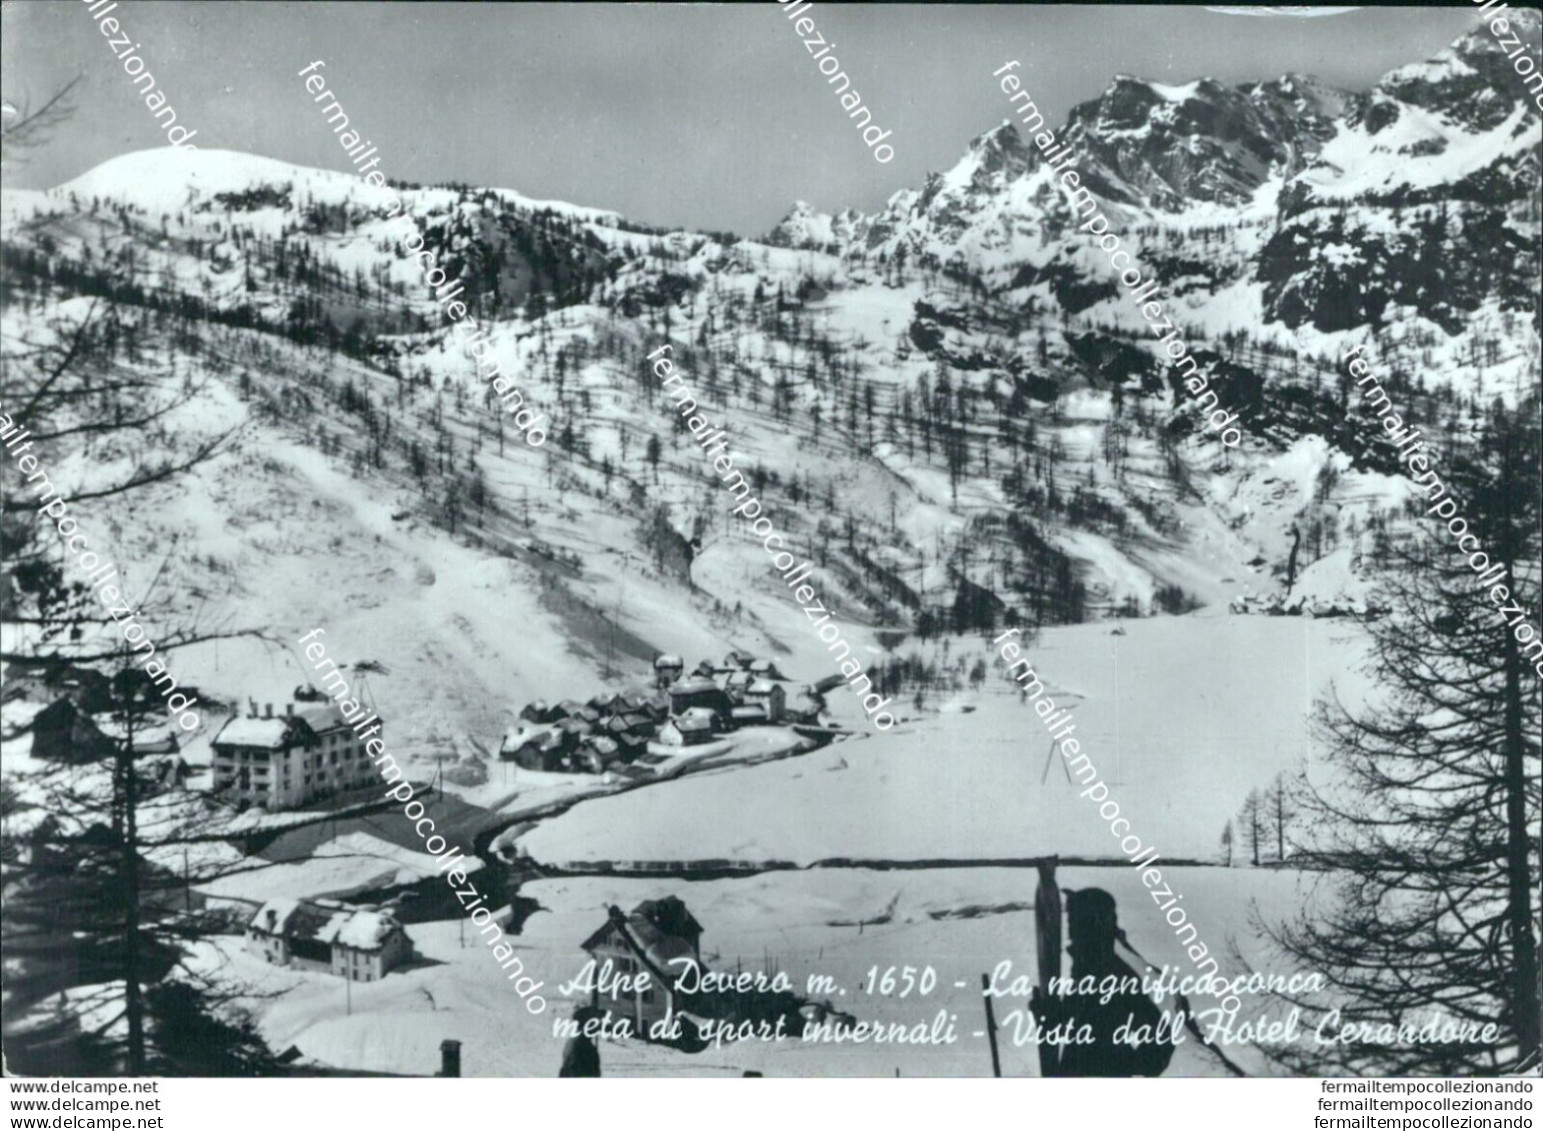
(699, 115)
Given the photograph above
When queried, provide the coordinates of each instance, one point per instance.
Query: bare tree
(25, 128)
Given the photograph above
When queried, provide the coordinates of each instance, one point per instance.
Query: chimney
(449, 1058)
(252, 704)
(289, 710)
(267, 710)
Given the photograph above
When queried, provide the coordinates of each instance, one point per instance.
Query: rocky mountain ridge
(948, 402)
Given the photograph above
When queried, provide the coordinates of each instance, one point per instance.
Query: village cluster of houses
(1286, 605)
(615, 728)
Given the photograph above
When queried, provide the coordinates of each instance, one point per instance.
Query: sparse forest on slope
(947, 406)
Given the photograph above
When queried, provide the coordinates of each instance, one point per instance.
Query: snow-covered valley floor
(966, 783)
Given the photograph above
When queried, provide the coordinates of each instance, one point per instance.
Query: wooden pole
(991, 1026)
(134, 1007)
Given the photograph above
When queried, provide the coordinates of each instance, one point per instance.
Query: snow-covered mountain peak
(1470, 84)
(993, 159)
(166, 178)
(806, 228)
(1164, 146)
(978, 277)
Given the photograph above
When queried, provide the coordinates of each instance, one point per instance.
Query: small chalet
(769, 696)
(596, 754)
(540, 712)
(767, 669)
(749, 715)
(63, 732)
(639, 722)
(692, 727)
(667, 669)
(657, 931)
(354, 943)
(533, 747)
(606, 702)
(698, 691)
(736, 682)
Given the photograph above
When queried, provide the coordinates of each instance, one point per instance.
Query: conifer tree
(1429, 820)
(1251, 826)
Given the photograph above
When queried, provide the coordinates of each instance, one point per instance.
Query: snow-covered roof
(761, 687)
(273, 916)
(359, 930)
(664, 928)
(325, 921)
(322, 717)
(668, 661)
(694, 718)
(692, 684)
(268, 733)
(522, 735)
